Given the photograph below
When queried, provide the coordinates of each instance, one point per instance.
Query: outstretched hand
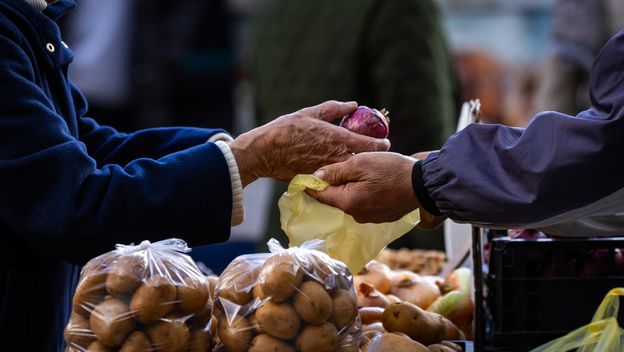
(300, 143)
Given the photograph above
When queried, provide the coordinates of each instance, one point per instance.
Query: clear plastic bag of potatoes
(150, 297)
(295, 299)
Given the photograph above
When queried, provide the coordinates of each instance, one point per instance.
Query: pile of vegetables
(294, 299)
(420, 261)
(141, 298)
(423, 309)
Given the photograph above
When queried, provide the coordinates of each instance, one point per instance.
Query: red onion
(367, 121)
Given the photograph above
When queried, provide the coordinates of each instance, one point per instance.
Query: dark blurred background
(236, 64)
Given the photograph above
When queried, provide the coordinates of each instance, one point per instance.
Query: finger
(332, 195)
(338, 173)
(330, 110)
(358, 143)
(421, 155)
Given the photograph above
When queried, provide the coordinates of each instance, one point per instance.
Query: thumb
(332, 195)
(334, 174)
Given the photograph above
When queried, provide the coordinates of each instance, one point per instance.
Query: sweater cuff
(220, 137)
(423, 196)
(238, 211)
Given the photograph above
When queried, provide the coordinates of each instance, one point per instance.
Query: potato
(317, 338)
(313, 303)
(153, 300)
(97, 346)
(112, 322)
(440, 348)
(280, 276)
(78, 332)
(169, 336)
(420, 325)
(204, 315)
(125, 275)
(393, 343)
(371, 314)
(235, 337)
(344, 309)
(266, 343)
(136, 342)
(257, 292)
(236, 285)
(201, 340)
(278, 320)
(91, 290)
(192, 295)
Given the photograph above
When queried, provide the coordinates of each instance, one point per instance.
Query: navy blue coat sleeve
(145, 186)
(107, 146)
(492, 174)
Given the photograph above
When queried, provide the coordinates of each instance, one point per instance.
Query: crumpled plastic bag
(303, 218)
(602, 334)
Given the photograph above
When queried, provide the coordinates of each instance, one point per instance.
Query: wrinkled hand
(371, 187)
(300, 143)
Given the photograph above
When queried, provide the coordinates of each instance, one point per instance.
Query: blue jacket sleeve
(491, 174)
(55, 195)
(107, 146)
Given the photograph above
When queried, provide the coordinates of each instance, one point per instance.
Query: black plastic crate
(536, 291)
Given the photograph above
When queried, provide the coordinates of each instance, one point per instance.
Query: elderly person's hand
(373, 187)
(300, 143)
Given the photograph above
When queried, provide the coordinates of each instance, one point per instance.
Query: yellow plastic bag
(603, 334)
(303, 218)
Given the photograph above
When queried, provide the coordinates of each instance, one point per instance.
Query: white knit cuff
(238, 211)
(38, 4)
(220, 137)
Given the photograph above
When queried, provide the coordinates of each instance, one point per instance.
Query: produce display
(295, 299)
(419, 261)
(150, 297)
(415, 312)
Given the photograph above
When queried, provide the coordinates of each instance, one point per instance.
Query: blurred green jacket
(384, 54)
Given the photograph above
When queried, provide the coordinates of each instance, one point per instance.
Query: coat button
(50, 47)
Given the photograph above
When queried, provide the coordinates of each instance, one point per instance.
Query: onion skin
(368, 296)
(367, 121)
(412, 288)
(377, 275)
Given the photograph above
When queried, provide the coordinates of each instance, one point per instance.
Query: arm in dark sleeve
(107, 146)
(491, 174)
(411, 71)
(58, 199)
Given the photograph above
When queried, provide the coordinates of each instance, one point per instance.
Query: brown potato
(112, 322)
(235, 337)
(192, 295)
(154, 299)
(278, 319)
(313, 338)
(201, 340)
(420, 325)
(313, 303)
(78, 332)
(169, 336)
(236, 283)
(97, 346)
(393, 343)
(136, 342)
(436, 347)
(125, 275)
(91, 290)
(344, 309)
(371, 315)
(257, 291)
(280, 277)
(266, 343)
